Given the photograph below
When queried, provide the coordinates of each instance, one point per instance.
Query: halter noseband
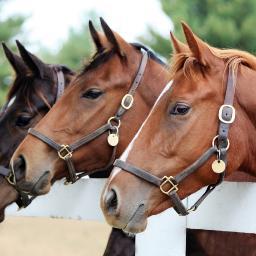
(112, 126)
(23, 199)
(169, 185)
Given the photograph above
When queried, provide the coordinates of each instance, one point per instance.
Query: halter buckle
(169, 181)
(233, 114)
(127, 101)
(11, 179)
(65, 152)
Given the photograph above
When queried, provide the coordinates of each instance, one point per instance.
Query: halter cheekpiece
(169, 185)
(65, 152)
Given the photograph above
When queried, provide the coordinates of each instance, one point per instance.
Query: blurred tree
(9, 28)
(77, 48)
(222, 23)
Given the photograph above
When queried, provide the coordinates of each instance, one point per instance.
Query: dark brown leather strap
(65, 151)
(4, 171)
(226, 117)
(143, 174)
(44, 138)
(127, 101)
(60, 83)
(90, 137)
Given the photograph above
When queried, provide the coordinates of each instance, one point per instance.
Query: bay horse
(92, 98)
(30, 97)
(201, 128)
(96, 117)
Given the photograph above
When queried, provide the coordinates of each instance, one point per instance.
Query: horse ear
(37, 67)
(198, 47)
(177, 45)
(114, 40)
(95, 37)
(16, 62)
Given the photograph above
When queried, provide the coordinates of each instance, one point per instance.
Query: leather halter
(169, 185)
(112, 126)
(23, 199)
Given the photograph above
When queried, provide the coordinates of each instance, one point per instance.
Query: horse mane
(101, 57)
(232, 57)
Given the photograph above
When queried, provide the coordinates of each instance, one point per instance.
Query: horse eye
(22, 121)
(180, 109)
(92, 94)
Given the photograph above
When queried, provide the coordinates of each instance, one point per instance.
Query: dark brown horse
(31, 95)
(181, 153)
(95, 95)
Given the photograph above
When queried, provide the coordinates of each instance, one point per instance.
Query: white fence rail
(228, 208)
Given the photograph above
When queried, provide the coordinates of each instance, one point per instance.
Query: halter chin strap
(112, 126)
(23, 198)
(169, 184)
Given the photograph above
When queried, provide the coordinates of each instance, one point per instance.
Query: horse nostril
(19, 167)
(111, 201)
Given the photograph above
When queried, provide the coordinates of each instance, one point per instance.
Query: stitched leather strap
(178, 205)
(65, 151)
(135, 84)
(226, 116)
(4, 171)
(60, 83)
(90, 137)
(143, 174)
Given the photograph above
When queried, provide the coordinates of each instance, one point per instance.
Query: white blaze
(125, 155)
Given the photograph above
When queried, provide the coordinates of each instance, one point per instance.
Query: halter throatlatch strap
(65, 152)
(169, 185)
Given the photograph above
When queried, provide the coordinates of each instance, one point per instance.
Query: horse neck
(245, 97)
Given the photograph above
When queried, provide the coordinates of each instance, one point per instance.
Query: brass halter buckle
(127, 101)
(169, 181)
(65, 152)
(11, 179)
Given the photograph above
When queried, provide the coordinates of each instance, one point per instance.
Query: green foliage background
(222, 23)
(10, 28)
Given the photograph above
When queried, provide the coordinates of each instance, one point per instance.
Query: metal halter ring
(65, 152)
(215, 138)
(168, 180)
(113, 121)
(114, 130)
(232, 116)
(127, 101)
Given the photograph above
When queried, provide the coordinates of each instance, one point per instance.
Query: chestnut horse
(33, 94)
(35, 89)
(207, 109)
